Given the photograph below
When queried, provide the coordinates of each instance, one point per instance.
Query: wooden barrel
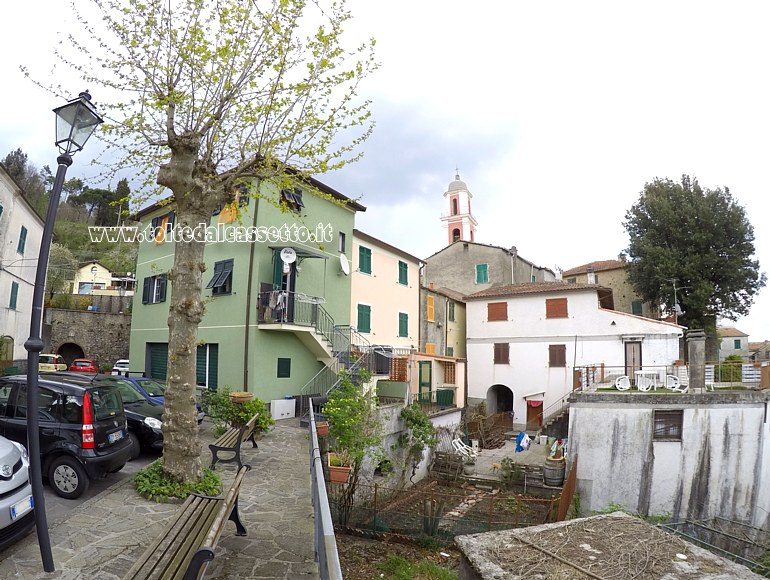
(553, 472)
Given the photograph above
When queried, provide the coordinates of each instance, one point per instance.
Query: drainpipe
(248, 298)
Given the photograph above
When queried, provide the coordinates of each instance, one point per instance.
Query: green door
(425, 381)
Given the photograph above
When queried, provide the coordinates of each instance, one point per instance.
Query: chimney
(590, 275)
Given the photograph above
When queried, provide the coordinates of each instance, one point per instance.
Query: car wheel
(67, 477)
(136, 447)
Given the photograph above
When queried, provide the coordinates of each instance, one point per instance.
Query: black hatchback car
(144, 417)
(83, 431)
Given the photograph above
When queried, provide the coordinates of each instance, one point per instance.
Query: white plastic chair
(463, 450)
(673, 383)
(623, 383)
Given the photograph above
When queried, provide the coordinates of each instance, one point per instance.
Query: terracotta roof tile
(530, 288)
(597, 267)
(729, 331)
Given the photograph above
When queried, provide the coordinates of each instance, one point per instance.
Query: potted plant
(339, 466)
(241, 396)
(469, 466)
(322, 428)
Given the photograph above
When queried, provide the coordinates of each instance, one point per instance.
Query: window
(450, 351)
(497, 311)
(451, 311)
(283, 370)
(556, 308)
(737, 344)
(403, 324)
(1, 211)
(341, 243)
(450, 374)
(207, 365)
(534, 278)
(364, 318)
(482, 273)
(14, 295)
(22, 240)
(364, 260)
(292, 199)
(502, 353)
(403, 273)
(162, 225)
(572, 280)
(222, 280)
(636, 307)
(454, 206)
(430, 348)
(667, 424)
(154, 289)
(455, 235)
(431, 309)
(557, 355)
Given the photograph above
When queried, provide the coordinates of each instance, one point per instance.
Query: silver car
(17, 515)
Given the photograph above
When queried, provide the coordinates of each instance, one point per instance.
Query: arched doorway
(70, 351)
(499, 400)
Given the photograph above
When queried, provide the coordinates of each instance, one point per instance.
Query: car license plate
(20, 508)
(117, 436)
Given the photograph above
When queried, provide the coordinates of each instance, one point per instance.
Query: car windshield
(82, 363)
(128, 392)
(47, 359)
(153, 388)
(105, 401)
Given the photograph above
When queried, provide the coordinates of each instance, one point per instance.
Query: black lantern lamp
(75, 123)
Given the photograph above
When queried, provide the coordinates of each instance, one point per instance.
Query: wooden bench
(186, 545)
(230, 442)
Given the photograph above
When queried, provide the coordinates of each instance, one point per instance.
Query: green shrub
(225, 414)
(151, 483)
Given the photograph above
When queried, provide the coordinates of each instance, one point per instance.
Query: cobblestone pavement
(100, 538)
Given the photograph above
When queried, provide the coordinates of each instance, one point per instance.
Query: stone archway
(70, 351)
(499, 400)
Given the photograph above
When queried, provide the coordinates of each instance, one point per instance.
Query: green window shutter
(158, 360)
(450, 351)
(451, 313)
(206, 371)
(403, 324)
(403, 273)
(277, 270)
(22, 240)
(636, 307)
(482, 273)
(14, 295)
(364, 260)
(283, 370)
(737, 344)
(200, 364)
(364, 318)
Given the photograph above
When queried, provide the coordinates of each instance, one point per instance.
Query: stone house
(442, 322)
(732, 342)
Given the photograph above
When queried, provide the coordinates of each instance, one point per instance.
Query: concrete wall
(103, 337)
(721, 467)
(589, 334)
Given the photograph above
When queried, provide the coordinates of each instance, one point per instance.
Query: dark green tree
(700, 240)
(28, 177)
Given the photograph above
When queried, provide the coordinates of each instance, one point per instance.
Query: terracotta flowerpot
(338, 473)
(241, 397)
(322, 429)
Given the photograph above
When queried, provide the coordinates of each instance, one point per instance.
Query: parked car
(154, 390)
(144, 417)
(83, 365)
(83, 428)
(51, 362)
(17, 514)
(120, 367)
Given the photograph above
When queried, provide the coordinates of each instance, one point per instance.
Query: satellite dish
(344, 264)
(288, 256)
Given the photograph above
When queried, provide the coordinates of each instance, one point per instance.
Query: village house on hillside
(527, 344)
(612, 274)
(732, 342)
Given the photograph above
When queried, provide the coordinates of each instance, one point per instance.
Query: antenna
(677, 310)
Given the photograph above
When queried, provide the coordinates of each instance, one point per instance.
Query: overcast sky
(556, 113)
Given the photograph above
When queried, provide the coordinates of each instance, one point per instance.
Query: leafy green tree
(700, 240)
(217, 95)
(62, 266)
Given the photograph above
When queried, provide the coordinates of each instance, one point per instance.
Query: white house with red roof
(733, 342)
(529, 345)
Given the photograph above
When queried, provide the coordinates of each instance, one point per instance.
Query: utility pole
(677, 310)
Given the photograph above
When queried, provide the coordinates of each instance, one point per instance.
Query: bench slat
(194, 534)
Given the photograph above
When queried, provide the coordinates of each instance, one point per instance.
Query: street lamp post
(75, 122)
(94, 270)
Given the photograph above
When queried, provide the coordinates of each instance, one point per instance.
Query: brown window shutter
(497, 311)
(557, 355)
(502, 353)
(449, 374)
(556, 308)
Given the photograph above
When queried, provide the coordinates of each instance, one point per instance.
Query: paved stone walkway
(100, 538)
